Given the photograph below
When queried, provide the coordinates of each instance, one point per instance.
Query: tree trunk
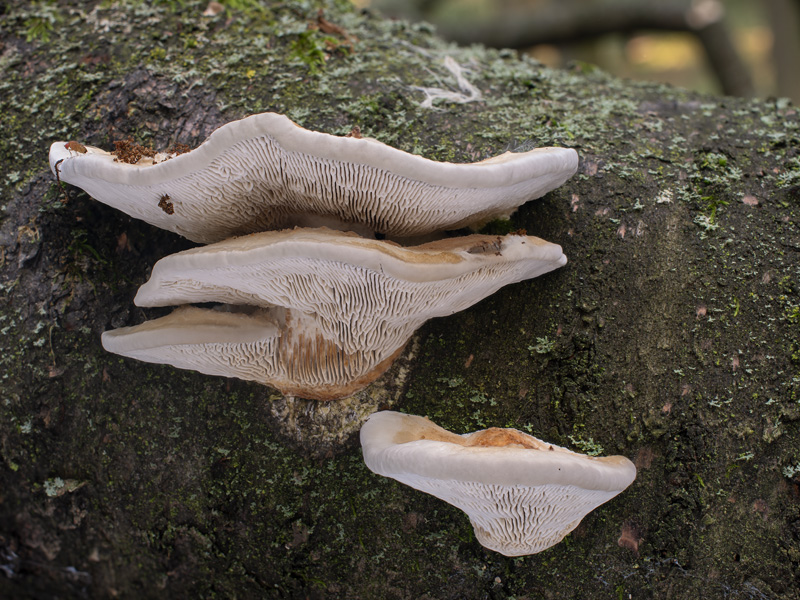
(784, 19)
(670, 337)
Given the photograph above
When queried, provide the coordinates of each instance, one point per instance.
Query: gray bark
(671, 337)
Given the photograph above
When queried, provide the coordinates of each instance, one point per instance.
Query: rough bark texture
(671, 337)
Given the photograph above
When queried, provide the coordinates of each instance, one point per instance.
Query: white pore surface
(261, 348)
(265, 172)
(515, 520)
(519, 500)
(362, 295)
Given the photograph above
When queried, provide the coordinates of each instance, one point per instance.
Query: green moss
(671, 333)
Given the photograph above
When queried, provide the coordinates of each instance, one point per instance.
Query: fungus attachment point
(344, 306)
(522, 495)
(265, 172)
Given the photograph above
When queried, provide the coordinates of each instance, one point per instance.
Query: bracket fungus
(265, 172)
(327, 311)
(274, 347)
(522, 495)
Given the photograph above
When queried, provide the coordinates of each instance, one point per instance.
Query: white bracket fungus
(273, 347)
(333, 309)
(521, 494)
(265, 172)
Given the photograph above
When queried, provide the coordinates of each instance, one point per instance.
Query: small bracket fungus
(522, 495)
(265, 172)
(341, 307)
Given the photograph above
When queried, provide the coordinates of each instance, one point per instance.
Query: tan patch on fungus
(301, 358)
(498, 437)
(289, 357)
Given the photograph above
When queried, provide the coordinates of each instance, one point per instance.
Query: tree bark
(670, 337)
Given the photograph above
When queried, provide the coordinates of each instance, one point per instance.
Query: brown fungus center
(497, 436)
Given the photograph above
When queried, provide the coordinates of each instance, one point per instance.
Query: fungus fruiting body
(522, 495)
(265, 172)
(271, 346)
(340, 307)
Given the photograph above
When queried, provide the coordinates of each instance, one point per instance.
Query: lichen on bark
(670, 337)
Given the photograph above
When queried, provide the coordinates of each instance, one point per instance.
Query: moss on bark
(670, 337)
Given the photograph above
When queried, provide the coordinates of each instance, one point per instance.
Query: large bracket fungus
(328, 310)
(521, 494)
(265, 172)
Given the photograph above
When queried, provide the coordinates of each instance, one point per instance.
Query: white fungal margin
(265, 172)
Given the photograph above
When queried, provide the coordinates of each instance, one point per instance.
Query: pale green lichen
(543, 345)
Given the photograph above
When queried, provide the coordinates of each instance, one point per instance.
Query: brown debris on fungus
(128, 151)
(165, 204)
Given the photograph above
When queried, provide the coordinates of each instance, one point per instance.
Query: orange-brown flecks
(75, 147)
(130, 152)
(179, 148)
(165, 204)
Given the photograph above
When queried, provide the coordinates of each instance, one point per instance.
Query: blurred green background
(736, 47)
